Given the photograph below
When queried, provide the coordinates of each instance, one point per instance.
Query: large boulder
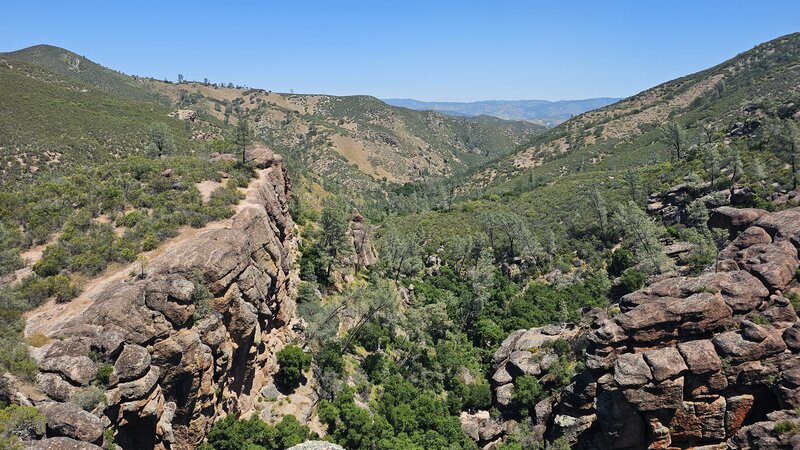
(55, 387)
(751, 343)
(672, 317)
(59, 443)
(630, 370)
(665, 363)
(700, 356)
(69, 420)
(740, 290)
(139, 388)
(734, 219)
(77, 369)
(699, 421)
(774, 264)
(480, 426)
(132, 363)
(260, 156)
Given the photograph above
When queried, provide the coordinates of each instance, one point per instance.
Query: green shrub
(631, 280)
(621, 259)
(235, 434)
(20, 423)
(527, 393)
(783, 427)
(88, 398)
(62, 288)
(794, 297)
(201, 296)
(104, 374)
(292, 362)
(561, 444)
(477, 396)
(329, 356)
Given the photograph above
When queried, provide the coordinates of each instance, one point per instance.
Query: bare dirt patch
(355, 153)
(208, 186)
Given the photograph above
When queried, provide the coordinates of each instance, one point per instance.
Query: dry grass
(38, 339)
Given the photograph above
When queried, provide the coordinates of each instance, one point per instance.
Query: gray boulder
(69, 420)
(133, 362)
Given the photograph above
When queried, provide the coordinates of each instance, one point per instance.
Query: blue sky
(428, 50)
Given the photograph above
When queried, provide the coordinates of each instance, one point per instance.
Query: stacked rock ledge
(176, 370)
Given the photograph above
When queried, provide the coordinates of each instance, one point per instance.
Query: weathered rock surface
(132, 363)
(362, 241)
(60, 443)
(175, 372)
(69, 420)
(710, 361)
(481, 427)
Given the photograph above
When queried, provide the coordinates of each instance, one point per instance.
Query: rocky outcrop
(362, 241)
(481, 427)
(709, 361)
(193, 340)
(69, 420)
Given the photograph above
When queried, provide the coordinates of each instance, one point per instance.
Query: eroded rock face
(710, 361)
(481, 427)
(193, 340)
(362, 241)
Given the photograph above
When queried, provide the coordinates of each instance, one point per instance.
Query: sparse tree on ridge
(599, 208)
(335, 223)
(736, 166)
(634, 182)
(712, 163)
(640, 234)
(160, 139)
(673, 136)
(242, 137)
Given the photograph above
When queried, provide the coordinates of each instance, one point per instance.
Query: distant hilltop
(543, 112)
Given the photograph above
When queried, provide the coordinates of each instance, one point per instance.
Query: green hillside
(81, 69)
(756, 87)
(50, 122)
(735, 122)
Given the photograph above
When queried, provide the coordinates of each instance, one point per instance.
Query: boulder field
(708, 361)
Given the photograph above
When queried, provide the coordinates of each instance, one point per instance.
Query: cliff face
(195, 338)
(710, 360)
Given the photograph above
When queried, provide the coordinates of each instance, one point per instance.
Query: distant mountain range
(539, 111)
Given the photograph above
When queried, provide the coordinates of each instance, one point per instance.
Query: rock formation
(708, 361)
(362, 241)
(316, 445)
(194, 339)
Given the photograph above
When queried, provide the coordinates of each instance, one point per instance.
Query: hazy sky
(428, 50)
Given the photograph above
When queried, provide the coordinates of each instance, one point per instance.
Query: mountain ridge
(544, 112)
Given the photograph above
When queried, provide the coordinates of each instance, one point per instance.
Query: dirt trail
(51, 316)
